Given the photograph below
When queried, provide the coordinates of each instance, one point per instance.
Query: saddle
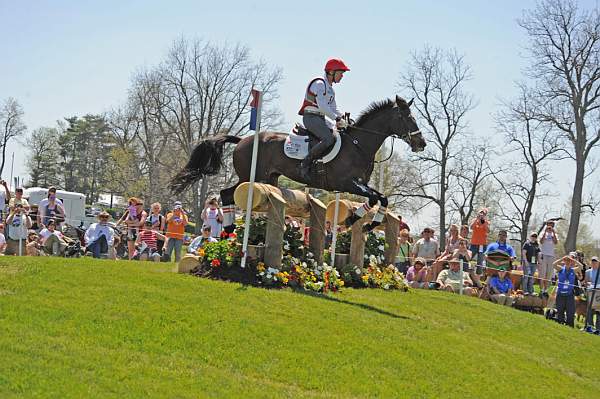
(299, 141)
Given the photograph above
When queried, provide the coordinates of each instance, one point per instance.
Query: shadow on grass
(358, 305)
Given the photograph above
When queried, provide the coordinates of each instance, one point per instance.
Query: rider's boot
(305, 168)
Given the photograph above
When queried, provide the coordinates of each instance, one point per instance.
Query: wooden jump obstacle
(390, 225)
(276, 203)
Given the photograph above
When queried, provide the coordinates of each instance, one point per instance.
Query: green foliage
(374, 247)
(258, 230)
(162, 334)
(342, 245)
(293, 244)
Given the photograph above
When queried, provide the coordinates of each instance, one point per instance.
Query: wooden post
(274, 233)
(357, 244)
(316, 239)
(392, 229)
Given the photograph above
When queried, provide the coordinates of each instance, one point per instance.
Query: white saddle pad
(296, 147)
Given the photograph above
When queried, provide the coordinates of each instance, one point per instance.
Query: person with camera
(19, 224)
(480, 228)
(4, 199)
(212, 216)
(529, 259)
(176, 222)
(568, 271)
(18, 199)
(548, 241)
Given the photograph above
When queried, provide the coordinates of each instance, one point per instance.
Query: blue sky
(64, 58)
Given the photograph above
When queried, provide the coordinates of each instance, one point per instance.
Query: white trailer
(74, 204)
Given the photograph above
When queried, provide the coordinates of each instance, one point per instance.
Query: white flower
(380, 248)
(357, 271)
(366, 256)
(386, 287)
(304, 265)
(286, 247)
(261, 274)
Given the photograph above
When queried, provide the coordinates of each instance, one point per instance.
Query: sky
(67, 58)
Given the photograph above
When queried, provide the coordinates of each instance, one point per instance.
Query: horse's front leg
(374, 197)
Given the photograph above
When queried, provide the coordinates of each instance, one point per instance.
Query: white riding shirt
(325, 99)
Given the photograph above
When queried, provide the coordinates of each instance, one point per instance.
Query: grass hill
(74, 328)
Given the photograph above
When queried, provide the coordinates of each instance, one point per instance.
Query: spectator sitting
(52, 240)
(146, 241)
(450, 279)
(19, 224)
(100, 237)
(417, 273)
(501, 288)
(2, 239)
(464, 232)
(176, 222)
(199, 241)
(461, 252)
(50, 208)
(213, 217)
(569, 269)
(452, 240)
(33, 247)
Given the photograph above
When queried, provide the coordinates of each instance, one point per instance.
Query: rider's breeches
(317, 126)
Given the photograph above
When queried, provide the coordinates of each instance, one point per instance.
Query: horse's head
(405, 125)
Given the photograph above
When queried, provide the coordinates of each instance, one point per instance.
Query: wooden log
(316, 238)
(345, 210)
(275, 229)
(297, 202)
(188, 263)
(392, 229)
(357, 244)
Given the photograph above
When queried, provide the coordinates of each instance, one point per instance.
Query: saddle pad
(296, 147)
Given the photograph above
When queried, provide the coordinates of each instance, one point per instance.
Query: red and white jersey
(320, 98)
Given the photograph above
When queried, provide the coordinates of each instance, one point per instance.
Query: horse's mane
(373, 109)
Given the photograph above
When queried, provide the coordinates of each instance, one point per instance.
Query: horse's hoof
(351, 220)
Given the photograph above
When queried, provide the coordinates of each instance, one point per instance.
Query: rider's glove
(341, 123)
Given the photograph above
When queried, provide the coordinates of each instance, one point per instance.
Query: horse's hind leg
(228, 208)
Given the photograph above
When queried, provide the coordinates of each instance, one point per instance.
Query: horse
(348, 172)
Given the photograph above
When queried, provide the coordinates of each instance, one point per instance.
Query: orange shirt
(480, 232)
(176, 225)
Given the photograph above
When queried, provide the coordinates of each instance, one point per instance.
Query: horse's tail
(206, 160)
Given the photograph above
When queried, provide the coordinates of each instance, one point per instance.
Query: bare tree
(472, 172)
(535, 146)
(564, 47)
(42, 163)
(11, 122)
(207, 89)
(436, 78)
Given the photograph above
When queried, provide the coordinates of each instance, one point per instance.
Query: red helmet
(335, 64)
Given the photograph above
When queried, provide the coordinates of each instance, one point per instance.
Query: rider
(320, 112)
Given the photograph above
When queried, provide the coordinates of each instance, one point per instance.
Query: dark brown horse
(349, 171)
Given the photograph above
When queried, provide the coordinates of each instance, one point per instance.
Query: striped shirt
(149, 237)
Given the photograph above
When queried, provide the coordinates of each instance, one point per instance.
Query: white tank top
(211, 220)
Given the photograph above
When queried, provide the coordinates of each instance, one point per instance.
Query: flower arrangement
(292, 241)
(383, 277)
(220, 253)
(258, 231)
(375, 246)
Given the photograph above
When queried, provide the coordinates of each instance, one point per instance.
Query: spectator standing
(502, 245)
(328, 236)
(18, 199)
(529, 258)
(176, 222)
(2, 239)
(212, 216)
(403, 225)
(19, 223)
(569, 270)
(50, 208)
(4, 199)
(501, 288)
(199, 241)
(134, 218)
(592, 283)
(453, 239)
(464, 231)
(52, 240)
(480, 228)
(158, 224)
(100, 237)
(426, 247)
(403, 258)
(548, 242)
(147, 243)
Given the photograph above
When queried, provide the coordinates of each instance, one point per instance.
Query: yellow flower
(201, 252)
(341, 283)
(285, 280)
(365, 278)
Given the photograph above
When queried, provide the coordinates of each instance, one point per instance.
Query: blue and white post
(255, 110)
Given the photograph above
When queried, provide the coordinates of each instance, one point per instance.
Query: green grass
(88, 329)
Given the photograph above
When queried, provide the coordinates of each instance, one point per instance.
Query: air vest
(310, 99)
(566, 281)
